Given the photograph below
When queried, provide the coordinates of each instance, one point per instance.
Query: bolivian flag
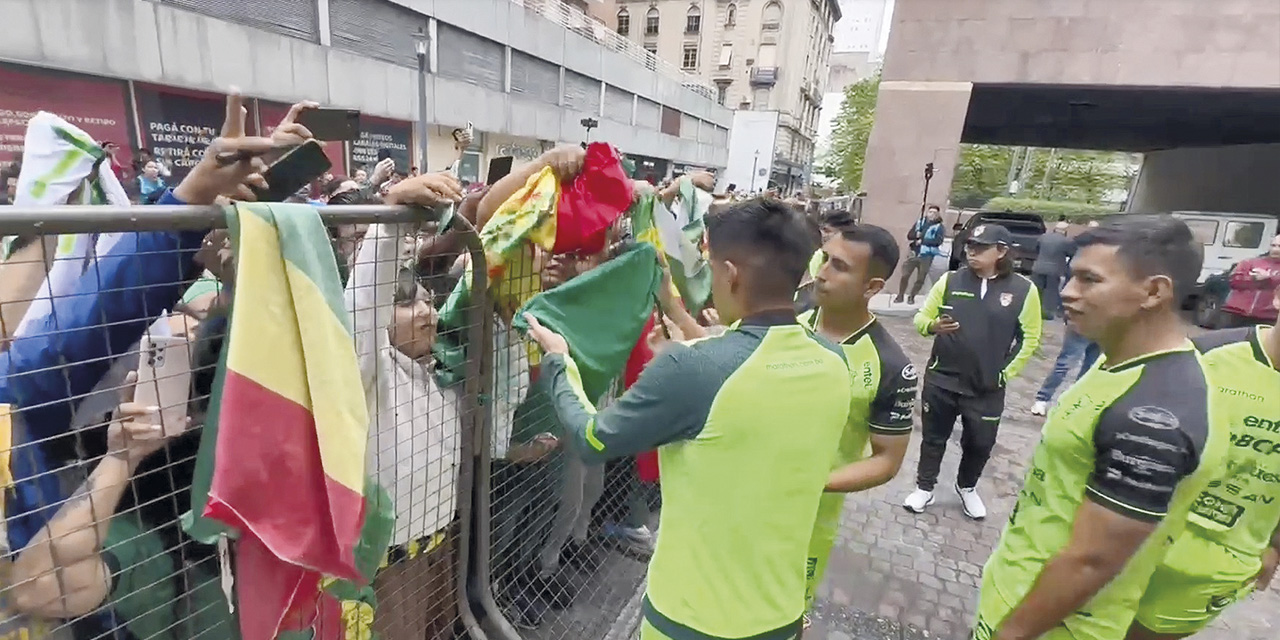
(288, 468)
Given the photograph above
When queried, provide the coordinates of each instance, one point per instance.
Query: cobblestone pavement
(895, 575)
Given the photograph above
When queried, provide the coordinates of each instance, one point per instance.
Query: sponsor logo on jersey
(1237, 393)
(1006, 299)
(1246, 441)
(1254, 422)
(909, 372)
(1154, 417)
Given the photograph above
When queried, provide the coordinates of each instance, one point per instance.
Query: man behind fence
(747, 426)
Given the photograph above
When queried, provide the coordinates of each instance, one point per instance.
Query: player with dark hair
(1232, 543)
(1122, 457)
(747, 426)
(858, 261)
(986, 322)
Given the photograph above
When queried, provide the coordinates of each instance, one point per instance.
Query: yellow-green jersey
(884, 398)
(1240, 510)
(1142, 438)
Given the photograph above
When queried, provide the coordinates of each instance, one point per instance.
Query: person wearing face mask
(987, 323)
(415, 438)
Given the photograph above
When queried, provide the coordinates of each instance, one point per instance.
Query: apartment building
(759, 55)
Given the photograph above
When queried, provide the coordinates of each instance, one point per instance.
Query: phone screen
(499, 168)
(383, 154)
(331, 124)
(293, 171)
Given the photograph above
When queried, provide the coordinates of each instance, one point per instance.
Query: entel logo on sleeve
(1154, 417)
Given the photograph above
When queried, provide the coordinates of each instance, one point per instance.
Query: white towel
(58, 162)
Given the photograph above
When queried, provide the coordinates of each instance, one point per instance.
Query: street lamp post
(755, 164)
(422, 46)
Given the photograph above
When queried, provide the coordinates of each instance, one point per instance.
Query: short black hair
(933, 207)
(884, 248)
(769, 238)
(1152, 245)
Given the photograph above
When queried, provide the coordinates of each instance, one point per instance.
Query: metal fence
(497, 533)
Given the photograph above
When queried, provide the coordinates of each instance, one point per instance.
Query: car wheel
(1207, 311)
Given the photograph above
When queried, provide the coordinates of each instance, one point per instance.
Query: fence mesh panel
(96, 543)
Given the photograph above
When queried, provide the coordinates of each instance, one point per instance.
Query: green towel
(601, 313)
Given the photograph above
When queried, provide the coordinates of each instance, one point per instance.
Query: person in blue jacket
(64, 356)
(925, 240)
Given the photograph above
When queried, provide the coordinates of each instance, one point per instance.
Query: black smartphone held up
(499, 167)
(331, 124)
(383, 154)
(293, 171)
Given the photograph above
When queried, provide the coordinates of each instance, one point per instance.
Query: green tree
(982, 173)
(843, 160)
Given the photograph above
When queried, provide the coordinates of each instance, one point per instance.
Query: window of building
(771, 19)
(731, 15)
(624, 22)
(693, 20)
(651, 22)
(690, 58)
(722, 92)
(726, 55)
(768, 57)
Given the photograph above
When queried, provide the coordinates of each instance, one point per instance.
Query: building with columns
(1194, 86)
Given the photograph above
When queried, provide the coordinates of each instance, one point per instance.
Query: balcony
(764, 76)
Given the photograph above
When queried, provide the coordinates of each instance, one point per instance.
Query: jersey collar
(774, 318)
(1145, 358)
(1259, 353)
(853, 337)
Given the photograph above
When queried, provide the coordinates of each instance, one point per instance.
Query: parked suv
(1025, 227)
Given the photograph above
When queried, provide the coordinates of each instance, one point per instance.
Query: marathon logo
(1254, 422)
(1237, 393)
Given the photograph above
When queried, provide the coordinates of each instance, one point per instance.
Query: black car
(1025, 227)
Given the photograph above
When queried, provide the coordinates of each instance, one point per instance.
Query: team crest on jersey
(1006, 299)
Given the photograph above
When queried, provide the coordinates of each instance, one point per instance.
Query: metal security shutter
(468, 57)
(688, 127)
(534, 78)
(376, 28)
(706, 132)
(293, 18)
(648, 114)
(617, 104)
(581, 93)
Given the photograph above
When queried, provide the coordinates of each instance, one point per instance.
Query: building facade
(758, 55)
(523, 73)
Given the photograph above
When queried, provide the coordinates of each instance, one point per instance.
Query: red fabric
(641, 354)
(592, 202)
(284, 551)
(1250, 296)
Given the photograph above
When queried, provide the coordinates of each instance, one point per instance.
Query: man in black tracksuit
(986, 320)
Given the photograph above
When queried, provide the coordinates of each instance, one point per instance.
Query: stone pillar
(916, 123)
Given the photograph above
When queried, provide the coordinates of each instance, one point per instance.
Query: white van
(1229, 237)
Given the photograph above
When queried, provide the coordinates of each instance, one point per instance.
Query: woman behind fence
(414, 443)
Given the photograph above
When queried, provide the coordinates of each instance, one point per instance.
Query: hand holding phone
(944, 323)
(331, 124)
(164, 381)
(293, 171)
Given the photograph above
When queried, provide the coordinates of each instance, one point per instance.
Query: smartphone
(499, 167)
(331, 124)
(383, 154)
(945, 314)
(164, 379)
(293, 171)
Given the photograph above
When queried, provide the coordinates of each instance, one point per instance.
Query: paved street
(894, 575)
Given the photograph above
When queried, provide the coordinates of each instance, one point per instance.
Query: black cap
(990, 233)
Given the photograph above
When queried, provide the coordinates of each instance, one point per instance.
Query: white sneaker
(1040, 408)
(918, 500)
(972, 503)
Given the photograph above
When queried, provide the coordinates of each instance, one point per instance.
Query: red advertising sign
(96, 105)
(271, 113)
(177, 124)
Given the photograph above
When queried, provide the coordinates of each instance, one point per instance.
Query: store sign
(271, 113)
(178, 124)
(377, 134)
(520, 151)
(98, 106)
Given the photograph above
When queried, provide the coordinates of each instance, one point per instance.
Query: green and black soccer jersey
(1141, 438)
(749, 423)
(1240, 510)
(884, 397)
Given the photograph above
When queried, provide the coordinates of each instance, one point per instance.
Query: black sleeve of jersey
(1142, 454)
(893, 407)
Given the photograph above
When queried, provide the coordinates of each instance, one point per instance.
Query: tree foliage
(843, 160)
(1085, 177)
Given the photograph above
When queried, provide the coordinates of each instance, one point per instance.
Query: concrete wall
(1239, 179)
(140, 40)
(1139, 42)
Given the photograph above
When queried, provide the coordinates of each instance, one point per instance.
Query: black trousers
(979, 420)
